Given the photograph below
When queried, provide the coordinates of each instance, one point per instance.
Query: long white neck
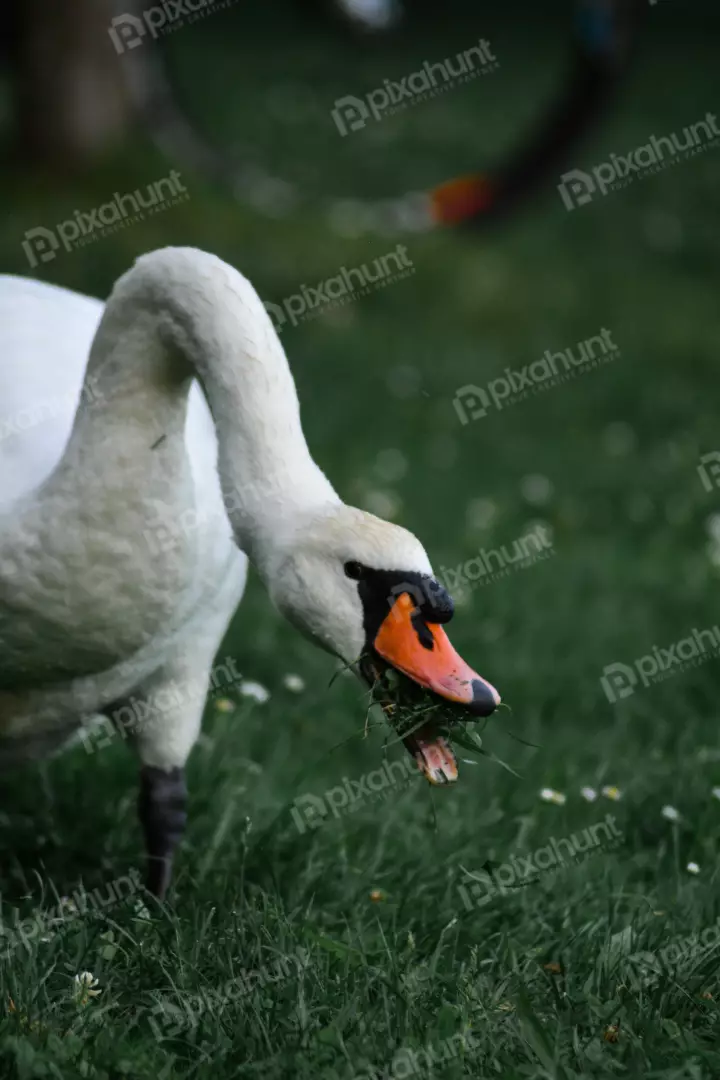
(180, 313)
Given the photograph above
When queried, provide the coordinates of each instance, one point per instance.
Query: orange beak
(423, 652)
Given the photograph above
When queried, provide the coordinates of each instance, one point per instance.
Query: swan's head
(364, 590)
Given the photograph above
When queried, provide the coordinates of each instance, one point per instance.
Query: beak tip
(485, 699)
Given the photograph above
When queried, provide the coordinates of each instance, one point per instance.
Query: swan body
(148, 448)
(107, 581)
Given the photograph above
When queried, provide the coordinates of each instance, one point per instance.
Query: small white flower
(84, 987)
(548, 795)
(254, 690)
(612, 792)
(716, 792)
(140, 911)
(294, 683)
(670, 813)
(693, 868)
(224, 705)
(589, 794)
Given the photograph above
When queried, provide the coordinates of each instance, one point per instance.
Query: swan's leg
(167, 711)
(165, 721)
(162, 807)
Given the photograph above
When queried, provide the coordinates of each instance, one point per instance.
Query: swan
(150, 447)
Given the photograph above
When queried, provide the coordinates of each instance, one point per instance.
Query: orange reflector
(461, 198)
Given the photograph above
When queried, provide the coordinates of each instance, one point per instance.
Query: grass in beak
(409, 708)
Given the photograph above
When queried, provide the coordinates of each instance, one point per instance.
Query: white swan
(130, 502)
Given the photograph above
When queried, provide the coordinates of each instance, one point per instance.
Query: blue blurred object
(595, 25)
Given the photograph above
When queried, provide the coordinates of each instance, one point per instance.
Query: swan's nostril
(485, 699)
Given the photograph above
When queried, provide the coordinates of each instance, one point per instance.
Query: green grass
(630, 570)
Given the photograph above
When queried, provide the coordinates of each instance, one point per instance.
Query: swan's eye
(354, 570)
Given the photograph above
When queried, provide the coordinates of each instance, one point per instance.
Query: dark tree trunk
(71, 102)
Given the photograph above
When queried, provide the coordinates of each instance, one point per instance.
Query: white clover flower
(254, 690)
(549, 795)
(670, 813)
(84, 987)
(693, 868)
(294, 683)
(589, 794)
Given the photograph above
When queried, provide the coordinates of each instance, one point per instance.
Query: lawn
(482, 930)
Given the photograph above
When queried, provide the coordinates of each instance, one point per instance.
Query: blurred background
(608, 459)
(615, 463)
